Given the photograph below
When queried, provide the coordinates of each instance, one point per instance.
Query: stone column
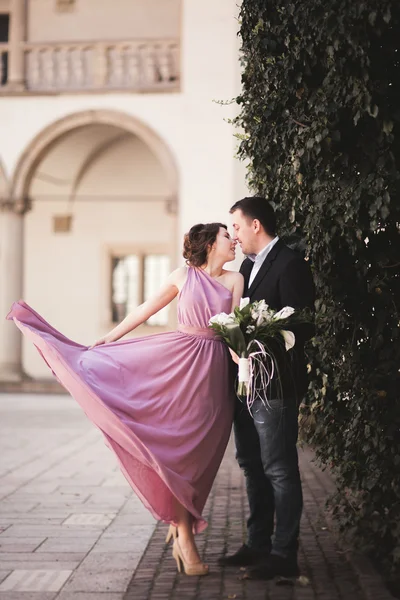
(11, 276)
(16, 68)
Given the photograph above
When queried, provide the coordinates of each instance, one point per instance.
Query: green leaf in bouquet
(216, 327)
(246, 310)
(236, 338)
(238, 314)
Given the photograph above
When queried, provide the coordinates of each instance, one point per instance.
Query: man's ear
(256, 225)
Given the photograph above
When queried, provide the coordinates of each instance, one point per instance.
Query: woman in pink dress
(164, 403)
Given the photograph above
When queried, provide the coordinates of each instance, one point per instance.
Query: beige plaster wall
(5, 6)
(103, 20)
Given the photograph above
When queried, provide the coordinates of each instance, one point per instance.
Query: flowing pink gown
(164, 402)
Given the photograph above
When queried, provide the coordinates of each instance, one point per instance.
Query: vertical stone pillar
(11, 277)
(16, 67)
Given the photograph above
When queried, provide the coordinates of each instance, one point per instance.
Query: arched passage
(101, 232)
(52, 134)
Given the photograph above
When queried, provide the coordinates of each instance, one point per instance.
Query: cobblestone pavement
(71, 529)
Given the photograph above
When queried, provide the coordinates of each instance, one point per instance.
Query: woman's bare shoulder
(178, 277)
(234, 276)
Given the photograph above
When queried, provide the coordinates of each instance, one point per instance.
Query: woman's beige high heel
(172, 534)
(194, 569)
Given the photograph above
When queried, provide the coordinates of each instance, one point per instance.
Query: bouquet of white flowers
(248, 332)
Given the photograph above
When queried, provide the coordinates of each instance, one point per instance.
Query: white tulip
(228, 319)
(244, 302)
(222, 319)
(289, 338)
(284, 313)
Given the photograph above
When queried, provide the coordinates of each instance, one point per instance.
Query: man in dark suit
(266, 441)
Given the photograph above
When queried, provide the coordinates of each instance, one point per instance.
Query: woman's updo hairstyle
(198, 242)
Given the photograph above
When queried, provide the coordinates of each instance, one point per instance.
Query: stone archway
(46, 138)
(111, 128)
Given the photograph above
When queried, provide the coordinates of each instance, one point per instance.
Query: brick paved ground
(70, 528)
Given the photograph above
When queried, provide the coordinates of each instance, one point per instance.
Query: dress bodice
(201, 298)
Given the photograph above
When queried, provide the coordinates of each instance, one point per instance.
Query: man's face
(245, 232)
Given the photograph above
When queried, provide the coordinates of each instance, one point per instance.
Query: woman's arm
(146, 310)
(237, 291)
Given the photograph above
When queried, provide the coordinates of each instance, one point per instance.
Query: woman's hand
(100, 342)
(235, 357)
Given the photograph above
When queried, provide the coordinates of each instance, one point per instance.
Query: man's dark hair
(257, 207)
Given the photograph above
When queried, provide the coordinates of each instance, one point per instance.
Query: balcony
(141, 65)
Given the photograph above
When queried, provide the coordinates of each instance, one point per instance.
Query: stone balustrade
(137, 65)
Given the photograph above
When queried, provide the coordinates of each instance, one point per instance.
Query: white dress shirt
(259, 259)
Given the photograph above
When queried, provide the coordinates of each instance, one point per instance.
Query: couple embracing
(165, 403)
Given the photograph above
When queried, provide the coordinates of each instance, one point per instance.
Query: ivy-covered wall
(320, 112)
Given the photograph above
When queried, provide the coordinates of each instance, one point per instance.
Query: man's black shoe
(244, 557)
(274, 566)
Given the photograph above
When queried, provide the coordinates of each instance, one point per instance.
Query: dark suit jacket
(285, 279)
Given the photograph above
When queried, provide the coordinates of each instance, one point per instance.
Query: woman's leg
(185, 534)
